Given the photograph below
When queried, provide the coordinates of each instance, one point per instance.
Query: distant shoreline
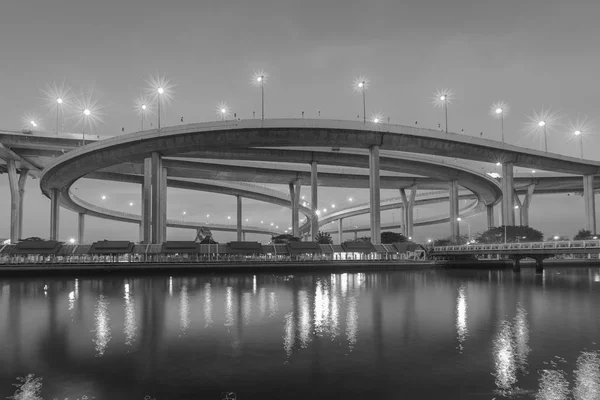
(502, 264)
(151, 268)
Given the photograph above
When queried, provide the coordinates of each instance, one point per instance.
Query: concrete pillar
(590, 203)
(375, 196)
(508, 188)
(524, 206)
(163, 205)
(80, 227)
(490, 215)
(156, 162)
(239, 218)
(141, 232)
(146, 224)
(22, 180)
(539, 266)
(243, 236)
(355, 235)
(54, 213)
(295, 188)
(454, 207)
(340, 230)
(13, 181)
(314, 200)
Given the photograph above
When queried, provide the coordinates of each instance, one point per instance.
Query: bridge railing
(566, 244)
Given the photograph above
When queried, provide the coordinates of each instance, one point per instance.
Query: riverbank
(152, 268)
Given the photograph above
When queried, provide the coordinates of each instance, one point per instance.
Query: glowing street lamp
(72, 240)
(160, 88)
(580, 127)
(542, 124)
(103, 197)
(459, 219)
(498, 111)
(543, 121)
(361, 84)
(441, 99)
(223, 111)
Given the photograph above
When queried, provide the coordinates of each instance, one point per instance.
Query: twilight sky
(530, 53)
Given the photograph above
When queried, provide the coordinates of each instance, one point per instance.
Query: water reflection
(102, 325)
(553, 386)
(461, 317)
(317, 319)
(521, 331)
(184, 309)
(304, 320)
(229, 306)
(207, 305)
(504, 359)
(587, 376)
(351, 320)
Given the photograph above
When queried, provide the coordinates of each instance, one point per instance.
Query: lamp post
(160, 91)
(542, 124)
(59, 101)
(441, 99)
(144, 108)
(259, 79)
(86, 114)
(580, 134)
(500, 112)
(444, 99)
(360, 85)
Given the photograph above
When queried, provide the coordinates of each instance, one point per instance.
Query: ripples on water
(357, 335)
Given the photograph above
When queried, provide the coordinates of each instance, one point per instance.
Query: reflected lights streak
(351, 321)
(207, 305)
(553, 386)
(289, 333)
(521, 332)
(184, 309)
(262, 302)
(130, 328)
(247, 307)
(304, 320)
(254, 284)
(170, 286)
(587, 376)
(461, 317)
(72, 302)
(504, 359)
(101, 325)
(229, 306)
(272, 304)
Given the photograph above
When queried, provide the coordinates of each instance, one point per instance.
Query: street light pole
(364, 103)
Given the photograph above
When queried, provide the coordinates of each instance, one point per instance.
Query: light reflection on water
(269, 330)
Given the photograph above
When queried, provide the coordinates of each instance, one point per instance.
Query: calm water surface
(414, 335)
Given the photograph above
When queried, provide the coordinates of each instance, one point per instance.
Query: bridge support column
(516, 265)
(539, 265)
(243, 236)
(454, 224)
(80, 227)
(54, 213)
(156, 197)
(22, 181)
(508, 188)
(375, 195)
(590, 203)
(13, 181)
(314, 200)
(239, 218)
(490, 215)
(295, 188)
(407, 210)
(524, 207)
(340, 230)
(163, 205)
(146, 222)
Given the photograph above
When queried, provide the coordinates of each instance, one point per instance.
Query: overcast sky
(529, 53)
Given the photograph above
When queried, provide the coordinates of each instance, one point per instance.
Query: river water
(427, 334)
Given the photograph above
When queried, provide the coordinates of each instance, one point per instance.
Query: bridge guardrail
(566, 244)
